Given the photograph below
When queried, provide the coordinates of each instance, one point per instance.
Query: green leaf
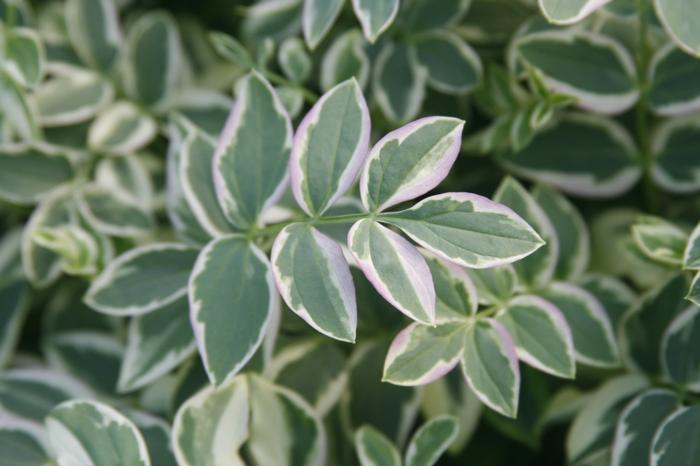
(683, 28)
(157, 342)
(22, 442)
(642, 328)
(375, 16)
(679, 360)
(468, 229)
(494, 285)
(207, 109)
(92, 433)
(154, 59)
(541, 335)
(250, 161)
(14, 304)
(72, 98)
(121, 128)
(594, 341)
(17, 110)
(32, 392)
(79, 250)
(329, 147)
(452, 66)
(398, 82)
(571, 230)
(673, 90)
(538, 268)
(232, 299)
(231, 49)
(431, 440)
(395, 268)
(273, 19)
(691, 254)
(602, 159)
(113, 213)
(280, 414)
(410, 161)
(94, 32)
(294, 60)
(318, 19)
(569, 11)
(676, 441)
(674, 169)
(156, 433)
(91, 356)
(421, 354)
(490, 365)
(594, 425)
(425, 15)
(128, 175)
(25, 56)
(374, 449)
(142, 279)
(210, 427)
(195, 173)
(573, 62)
(660, 240)
(28, 173)
(456, 296)
(345, 58)
(315, 281)
(637, 425)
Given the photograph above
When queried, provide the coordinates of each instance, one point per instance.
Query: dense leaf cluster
(349, 232)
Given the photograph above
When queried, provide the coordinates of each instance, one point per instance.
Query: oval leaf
(375, 16)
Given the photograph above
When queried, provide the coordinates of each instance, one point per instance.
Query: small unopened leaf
(410, 161)
(29, 172)
(541, 335)
(490, 365)
(157, 342)
(456, 296)
(211, 426)
(329, 147)
(601, 162)
(421, 354)
(494, 285)
(121, 128)
(142, 279)
(92, 433)
(374, 449)
(250, 162)
(673, 170)
(679, 358)
(294, 60)
(318, 18)
(315, 281)
(468, 229)
(94, 32)
(676, 441)
(431, 440)
(637, 425)
(660, 240)
(395, 268)
(452, 66)
(398, 82)
(232, 298)
(594, 341)
(673, 90)
(573, 62)
(375, 16)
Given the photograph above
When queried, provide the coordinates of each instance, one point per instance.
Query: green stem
(641, 114)
(330, 220)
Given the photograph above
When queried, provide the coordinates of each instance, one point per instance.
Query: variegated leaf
(318, 18)
(675, 443)
(93, 29)
(431, 440)
(374, 449)
(375, 16)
